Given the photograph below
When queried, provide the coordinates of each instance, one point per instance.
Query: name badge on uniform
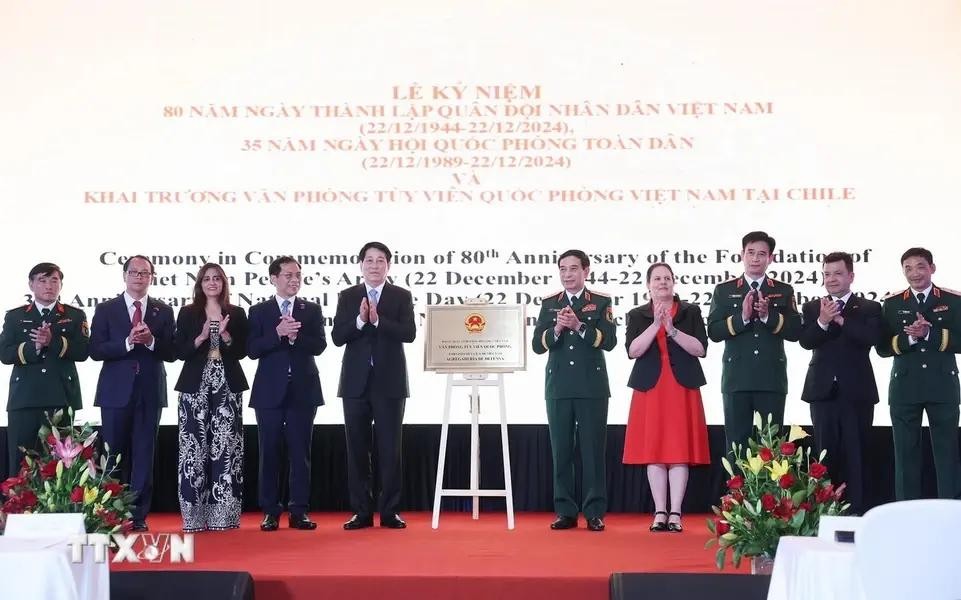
(589, 308)
(905, 312)
(735, 296)
(940, 308)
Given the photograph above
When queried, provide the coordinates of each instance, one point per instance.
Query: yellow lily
(779, 468)
(89, 495)
(755, 463)
(796, 434)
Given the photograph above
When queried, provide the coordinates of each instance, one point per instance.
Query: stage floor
(462, 559)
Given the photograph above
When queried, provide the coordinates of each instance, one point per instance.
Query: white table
(41, 568)
(808, 568)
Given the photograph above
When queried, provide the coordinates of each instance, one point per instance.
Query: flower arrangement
(777, 490)
(68, 476)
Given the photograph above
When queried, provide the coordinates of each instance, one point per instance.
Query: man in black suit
(133, 335)
(375, 319)
(286, 333)
(841, 328)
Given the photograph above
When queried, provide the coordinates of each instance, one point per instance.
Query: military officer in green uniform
(575, 327)
(43, 341)
(923, 333)
(753, 315)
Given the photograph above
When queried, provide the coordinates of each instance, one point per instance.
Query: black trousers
(739, 409)
(387, 416)
(842, 427)
(292, 423)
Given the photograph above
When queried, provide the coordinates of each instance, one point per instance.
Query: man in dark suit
(44, 341)
(753, 315)
(575, 327)
(286, 333)
(374, 319)
(133, 335)
(842, 328)
(923, 334)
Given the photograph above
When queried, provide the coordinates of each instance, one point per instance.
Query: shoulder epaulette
(893, 294)
(601, 294)
(555, 295)
(948, 290)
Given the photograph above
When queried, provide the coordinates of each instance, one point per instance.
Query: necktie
(920, 298)
(574, 301)
(137, 314)
(373, 295)
(840, 304)
(754, 286)
(285, 308)
(43, 313)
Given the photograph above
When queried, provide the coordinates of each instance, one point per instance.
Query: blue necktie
(372, 294)
(285, 308)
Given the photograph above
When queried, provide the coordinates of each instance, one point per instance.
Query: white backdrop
(242, 130)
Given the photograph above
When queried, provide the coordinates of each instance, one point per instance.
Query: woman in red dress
(666, 429)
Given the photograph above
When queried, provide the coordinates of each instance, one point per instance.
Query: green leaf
(798, 518)
(719, 558)
(799, 497)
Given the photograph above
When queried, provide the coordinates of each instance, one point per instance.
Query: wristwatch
(673, 333)
(582, 329)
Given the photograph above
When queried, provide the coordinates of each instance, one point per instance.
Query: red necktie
(137, 314)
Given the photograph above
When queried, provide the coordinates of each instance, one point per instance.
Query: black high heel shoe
(659, 525)
(675, 527)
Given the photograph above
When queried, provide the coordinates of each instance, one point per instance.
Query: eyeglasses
(140, 273)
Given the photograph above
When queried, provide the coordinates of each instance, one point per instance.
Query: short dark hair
(758, 236)
(278, 263)
(651, 268)
(376, 246)
(578, 254)
(200, 299)
(45, 268)
(840, 256)
(127, 262)
(919, 252)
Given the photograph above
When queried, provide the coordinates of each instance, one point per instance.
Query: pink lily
(66, 451)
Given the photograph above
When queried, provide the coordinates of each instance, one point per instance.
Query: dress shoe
(301, 522)
(562, 522)
(675, 526)
(269, 523)
(358, 522)
(595, 524)
(392, 521)
(657, 526)
(139, 525)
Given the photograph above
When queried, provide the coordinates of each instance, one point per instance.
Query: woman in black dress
(211, 339)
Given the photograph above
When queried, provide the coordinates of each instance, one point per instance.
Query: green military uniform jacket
(925, 372)
(48, 379)
(575, 364)
(754, 359)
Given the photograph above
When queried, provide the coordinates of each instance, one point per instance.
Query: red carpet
(463, 559)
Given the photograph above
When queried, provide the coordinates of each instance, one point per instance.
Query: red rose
(114, 488)
(805, 506)
(11, 484)
(735, 483)
(818, 470)
(28, 499)
(765, 454)
(87, 453)
(12, 506)
(738, 496)
(49, 470)
(768, 502)
(788, 448)
(51, 440)
(824, 494)
(727, 502)
(77, 494)
(786, 481)
(721, 526)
